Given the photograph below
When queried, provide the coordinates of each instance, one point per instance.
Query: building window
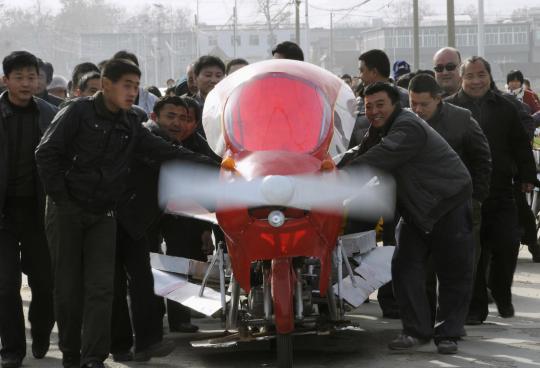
(271, 39)
(182, 43)
(238, 40)
(212, 40)
(254, 40)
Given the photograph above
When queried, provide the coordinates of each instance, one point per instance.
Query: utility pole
(451, 21)
(197, 44)
(480, 28)
(331, 53)
(235, 24)
(307, 46)
(416, 36)
(297, 13)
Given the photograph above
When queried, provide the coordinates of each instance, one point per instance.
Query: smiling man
(511, 154)
(84, 160)
(433, 194)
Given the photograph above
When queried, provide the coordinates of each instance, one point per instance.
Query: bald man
(446, 64)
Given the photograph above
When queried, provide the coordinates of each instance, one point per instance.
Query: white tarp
(373, 272)
(179, 289)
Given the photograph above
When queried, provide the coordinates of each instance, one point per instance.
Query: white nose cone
(276, 218)
(277, 190)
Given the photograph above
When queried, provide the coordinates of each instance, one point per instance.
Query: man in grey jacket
(434, 190)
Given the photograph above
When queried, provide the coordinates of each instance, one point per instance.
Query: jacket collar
(155, 129)
(463, 97)
(384, 130)
(439, 113)
(5, 107)
(102, 111)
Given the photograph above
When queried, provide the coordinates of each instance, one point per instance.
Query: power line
(342, 9)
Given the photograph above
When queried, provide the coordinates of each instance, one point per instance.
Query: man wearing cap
(58, 87)
(400, 68)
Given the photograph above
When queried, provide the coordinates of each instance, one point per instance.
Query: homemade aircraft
(280, 126)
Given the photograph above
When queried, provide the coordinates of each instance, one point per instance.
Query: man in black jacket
(457, 126)
(433, 194)
(23, 245)
(84, 160)
(511, 154)
(46, 71)
(138, 219)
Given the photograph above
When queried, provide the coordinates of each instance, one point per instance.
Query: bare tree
(402, 13)
(275, 13)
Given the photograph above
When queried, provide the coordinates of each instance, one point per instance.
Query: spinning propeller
(192, 190)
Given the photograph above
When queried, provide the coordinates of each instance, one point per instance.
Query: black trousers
(23, 247)
(82, 248)
(431, 281)
(500, 247)
(133, 273)
(451, 248)
(182, 236)
(526, 217)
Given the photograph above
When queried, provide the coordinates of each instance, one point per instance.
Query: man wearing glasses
(446, 64)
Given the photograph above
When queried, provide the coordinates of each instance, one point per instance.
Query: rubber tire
(284, 350)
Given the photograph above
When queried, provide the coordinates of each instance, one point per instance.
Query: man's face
(92, 86)
(476, 79)
(424, 104)
(208, 78)
(515, 84)
(21, 84)
(379, 107)
(176, 121)
(192, 85)
(348, 81)
(122, 93)
(42, 82)
(368, 76)
(446, 66)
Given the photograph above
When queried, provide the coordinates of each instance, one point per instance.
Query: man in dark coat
(457, 126)
(434, 190)
(140, 219)
(23, 245)
(511, 154)
(84, 160)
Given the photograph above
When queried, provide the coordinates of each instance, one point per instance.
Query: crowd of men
(79, 211)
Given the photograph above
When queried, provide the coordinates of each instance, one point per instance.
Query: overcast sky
(220, 11)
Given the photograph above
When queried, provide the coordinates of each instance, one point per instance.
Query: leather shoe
(184, 327)
(94, 364)
(157, 350)
(406, 342)
(447, 347)
(40, 349)
(534, 249)
(506, 311)
(473, 320)
(126, 356)
(11, 362)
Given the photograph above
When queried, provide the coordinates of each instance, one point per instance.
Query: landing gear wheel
(284, 350)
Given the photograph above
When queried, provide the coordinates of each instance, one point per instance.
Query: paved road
(498, 343)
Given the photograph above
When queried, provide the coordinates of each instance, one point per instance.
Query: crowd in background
(79, 211)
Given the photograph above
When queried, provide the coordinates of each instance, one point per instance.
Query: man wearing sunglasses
(446, 64)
